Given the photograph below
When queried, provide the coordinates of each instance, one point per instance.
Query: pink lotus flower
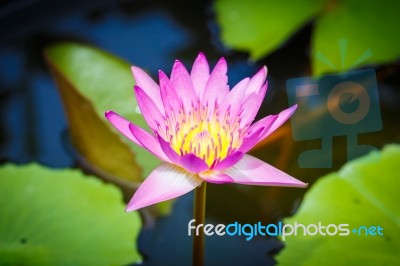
(201, 130)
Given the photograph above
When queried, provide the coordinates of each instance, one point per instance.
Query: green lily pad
(259, 26)
(364, 192)
(346, 34)
(354, 33)
(91, 82)
(61, 217)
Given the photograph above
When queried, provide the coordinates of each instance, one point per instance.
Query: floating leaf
(91, 82)
(354, 33)
(260, 26)
(93, 139)
(364, 192)
(347, 34)
(60, 217)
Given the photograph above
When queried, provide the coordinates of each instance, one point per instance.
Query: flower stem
(199, 211)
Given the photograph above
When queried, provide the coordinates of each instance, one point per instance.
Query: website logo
(343, 104)
(282, 230)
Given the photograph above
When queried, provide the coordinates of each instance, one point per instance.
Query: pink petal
(257, 81)
(169, 152)
(148, 141)
(149, 110)
(252, 171)
(251, 140)
(148, 85)
(183, 85)
(282, 118)
(215, 177)
(168, 95)
(265, 122)
(166, 182)
(263, 90)
(122, 125)
(229, 161)
(255, 132)
(192, 163)
(217, 85)
(251, 106)
(234, 99)
(200, 74)
(250, 109)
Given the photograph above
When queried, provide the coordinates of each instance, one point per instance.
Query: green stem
(199, 211)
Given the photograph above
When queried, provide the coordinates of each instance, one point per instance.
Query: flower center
(203, 134)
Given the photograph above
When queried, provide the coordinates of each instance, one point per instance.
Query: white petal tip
(266, 70)
(135, 70)
(130, 209)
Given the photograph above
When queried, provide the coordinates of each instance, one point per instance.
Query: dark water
(152, 34)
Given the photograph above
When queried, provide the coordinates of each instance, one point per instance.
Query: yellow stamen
(203, 134)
